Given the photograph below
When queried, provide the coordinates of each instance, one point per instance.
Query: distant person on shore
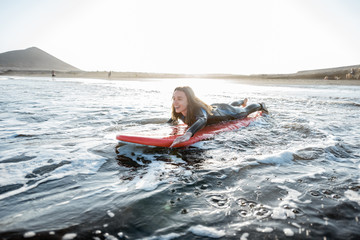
(53, 73)
(109, 74)
(197, 114)
(352, 72)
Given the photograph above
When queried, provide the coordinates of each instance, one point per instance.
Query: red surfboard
(205, 133)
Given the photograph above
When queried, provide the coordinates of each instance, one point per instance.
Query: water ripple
(294, 173)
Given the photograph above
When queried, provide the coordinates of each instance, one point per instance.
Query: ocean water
(294, 174)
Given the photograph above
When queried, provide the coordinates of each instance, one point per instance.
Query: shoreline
(245, 79)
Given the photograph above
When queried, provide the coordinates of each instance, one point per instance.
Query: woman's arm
(201, 120)
(199, 124)
(182, 138)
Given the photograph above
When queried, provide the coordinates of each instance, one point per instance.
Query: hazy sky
(195, 36)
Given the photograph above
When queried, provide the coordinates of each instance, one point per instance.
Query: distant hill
(330, 71)
(326, 73)
(32, 59)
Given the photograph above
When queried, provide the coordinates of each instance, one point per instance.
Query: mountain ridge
(32, 59)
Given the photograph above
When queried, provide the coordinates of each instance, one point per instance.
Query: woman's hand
(181, 139)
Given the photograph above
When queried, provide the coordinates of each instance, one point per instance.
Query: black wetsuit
(221, 112)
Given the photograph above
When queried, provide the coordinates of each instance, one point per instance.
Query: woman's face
(180, 102)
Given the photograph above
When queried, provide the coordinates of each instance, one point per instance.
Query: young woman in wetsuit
(197, 114)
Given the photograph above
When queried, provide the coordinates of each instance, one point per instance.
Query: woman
(197, 114)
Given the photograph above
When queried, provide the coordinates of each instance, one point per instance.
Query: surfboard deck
(205, 133)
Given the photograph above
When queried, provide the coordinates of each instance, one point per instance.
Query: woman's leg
(257, 107)
(239, 103)
(227, 112)
(252, 108)
(244, 112)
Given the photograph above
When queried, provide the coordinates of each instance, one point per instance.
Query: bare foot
(244, 102)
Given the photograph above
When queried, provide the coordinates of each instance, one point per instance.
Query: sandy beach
(138, 76)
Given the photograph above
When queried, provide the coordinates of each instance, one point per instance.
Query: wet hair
(194, 105)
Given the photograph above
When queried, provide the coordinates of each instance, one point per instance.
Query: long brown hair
(194, 105)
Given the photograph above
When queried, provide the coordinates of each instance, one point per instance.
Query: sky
(187, 36)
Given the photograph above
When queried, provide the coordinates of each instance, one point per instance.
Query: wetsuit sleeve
(201, 120)
(170, 121)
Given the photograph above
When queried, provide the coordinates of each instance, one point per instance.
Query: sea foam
(204, 231)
